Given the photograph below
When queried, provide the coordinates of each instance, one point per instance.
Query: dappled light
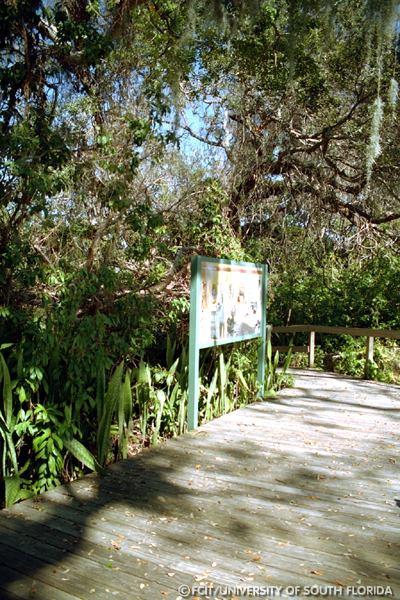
(257, 140)
(302, 490)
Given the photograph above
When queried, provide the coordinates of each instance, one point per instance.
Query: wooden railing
(370, 334)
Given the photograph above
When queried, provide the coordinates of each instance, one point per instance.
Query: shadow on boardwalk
(301, 491)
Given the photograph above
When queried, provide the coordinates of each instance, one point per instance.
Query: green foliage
(350, 359)
(82, 454)
(275, 373)
(46, 439)
(112, 398)
(104, 200)
(160, 395)
(358, 294)
(7, 427)
(228, 381)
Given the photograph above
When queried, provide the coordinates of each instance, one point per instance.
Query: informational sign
(227, 304)
(231, 302)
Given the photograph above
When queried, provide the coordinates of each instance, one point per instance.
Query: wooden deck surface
(300, 491)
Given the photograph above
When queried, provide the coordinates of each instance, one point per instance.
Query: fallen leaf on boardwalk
(256, 558)
(198, 466)
(315, 572)
(115, 545)
(171, 574)
(201, 577)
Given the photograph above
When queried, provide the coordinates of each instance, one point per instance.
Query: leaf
(173, 395)
(171, 372)
(144, 375)
(127, 397)
(3, 426)
(7, 345)
(100, 388)
(124, 414)
(110, 402)
(11, 451)
(77, 449)
(161, 397)
(269, 351)
(12, 490)
(171, 348)
(7, 391)
(242, 380)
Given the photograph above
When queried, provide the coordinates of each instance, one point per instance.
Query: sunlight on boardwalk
(296, 492)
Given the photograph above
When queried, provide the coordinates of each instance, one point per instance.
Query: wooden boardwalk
(300, 491)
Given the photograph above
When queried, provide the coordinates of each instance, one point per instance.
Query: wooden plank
(119, 484)
(242, 551)
(26, 588)
(78, 575)
(299, 491)
(302, 349)
(274, 560)
(350, 505)
(117, 558)
(206, 480)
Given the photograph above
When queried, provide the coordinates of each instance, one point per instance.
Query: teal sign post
(227, 304)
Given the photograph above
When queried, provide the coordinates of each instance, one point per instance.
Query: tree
(304, 105)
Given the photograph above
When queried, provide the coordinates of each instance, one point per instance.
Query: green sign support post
(194, 349)
(227, 304)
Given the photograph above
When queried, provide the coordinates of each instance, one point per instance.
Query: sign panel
(227, 304)
(231, 302)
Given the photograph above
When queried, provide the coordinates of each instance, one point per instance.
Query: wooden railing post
(370, 334)
(369, 357)
(311, 349)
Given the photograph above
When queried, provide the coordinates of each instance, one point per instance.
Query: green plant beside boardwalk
(44, 443)
(135, 135)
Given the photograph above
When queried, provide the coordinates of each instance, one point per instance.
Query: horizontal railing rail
(393, 334)
(369, 333)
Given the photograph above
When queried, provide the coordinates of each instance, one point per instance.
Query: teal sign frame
(224, 284)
